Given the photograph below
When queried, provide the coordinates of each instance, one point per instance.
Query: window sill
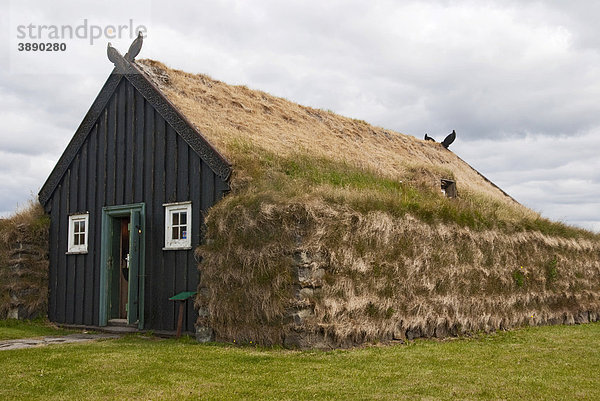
(76, 253)
(177, 248)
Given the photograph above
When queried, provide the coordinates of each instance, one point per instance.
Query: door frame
(109, 215)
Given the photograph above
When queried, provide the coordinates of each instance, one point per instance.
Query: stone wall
(309, 276)
(308, 329)
(24, 264)
(27, 300)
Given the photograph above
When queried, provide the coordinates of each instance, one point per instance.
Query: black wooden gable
(181, 125)
(133, 148)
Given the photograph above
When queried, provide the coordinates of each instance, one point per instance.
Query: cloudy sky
(518, 81)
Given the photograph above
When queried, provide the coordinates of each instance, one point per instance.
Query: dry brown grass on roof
(225, 114)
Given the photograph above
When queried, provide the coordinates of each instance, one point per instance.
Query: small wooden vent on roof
(449, 188)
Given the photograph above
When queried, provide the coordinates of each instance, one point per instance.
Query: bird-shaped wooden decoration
(428, 138)
(113, 54)
(449, 139)
(116, 58)
(135, 47)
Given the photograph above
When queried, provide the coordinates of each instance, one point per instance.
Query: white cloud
(519, 81)
(556, 176)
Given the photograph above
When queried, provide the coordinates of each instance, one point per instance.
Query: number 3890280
(42, 47)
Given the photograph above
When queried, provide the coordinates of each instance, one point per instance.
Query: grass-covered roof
(290, 149)
(227, 114)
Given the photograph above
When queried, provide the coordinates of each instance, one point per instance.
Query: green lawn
(560, 362)
(11, 329)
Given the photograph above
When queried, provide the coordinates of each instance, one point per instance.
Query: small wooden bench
(181, 298)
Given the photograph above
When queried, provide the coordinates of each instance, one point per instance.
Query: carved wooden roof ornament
(135, 47)
(446, 142)
(449, 139)
(120, 62)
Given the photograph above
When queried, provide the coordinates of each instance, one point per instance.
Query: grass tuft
(552, 270)
(519, 278)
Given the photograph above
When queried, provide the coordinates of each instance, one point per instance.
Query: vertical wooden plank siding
(120, 146)
(70, 286)
(61, 287)
(80, 265)
(53, 251)
(152, 249)
(139, 156)
(183, 264)
(111, 132)
(158, 283)
(101, 175)
(170, 267)
(90, 196)
(130, 145)
(208, 188)
(131, 155)
(193, 275)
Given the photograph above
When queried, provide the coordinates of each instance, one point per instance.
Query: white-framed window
(78, 233)
(178, 225)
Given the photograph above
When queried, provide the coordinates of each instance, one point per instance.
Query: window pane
(178, 227)
(78, 227)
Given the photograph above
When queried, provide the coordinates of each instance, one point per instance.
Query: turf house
(293, 225)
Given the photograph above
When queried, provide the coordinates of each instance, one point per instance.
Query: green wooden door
(134, 268)
(109, 253)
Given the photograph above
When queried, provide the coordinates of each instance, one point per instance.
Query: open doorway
(122, 265)
(119, 273)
